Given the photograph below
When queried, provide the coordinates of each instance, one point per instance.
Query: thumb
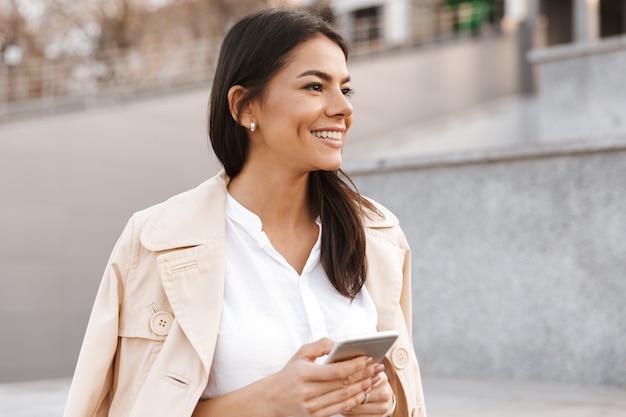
(314, 350)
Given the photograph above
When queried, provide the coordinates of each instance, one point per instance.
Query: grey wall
(399, 89)
(582, 89)
(519, 260)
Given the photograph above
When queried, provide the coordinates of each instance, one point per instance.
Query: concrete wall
(519, 260)
(582, 89)
(400, 88)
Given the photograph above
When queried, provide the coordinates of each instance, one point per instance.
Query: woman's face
(305, 114)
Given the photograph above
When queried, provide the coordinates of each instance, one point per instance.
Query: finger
(341, 378)
(373, 373)
(379, 401)
(348, 371)
(382, 376)
(314, 350)
(376, 408)
(340, 400)
(337, 390)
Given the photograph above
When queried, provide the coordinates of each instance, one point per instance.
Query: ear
(243, 115)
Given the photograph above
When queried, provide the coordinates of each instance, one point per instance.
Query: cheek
(348, 122)
(289, 112)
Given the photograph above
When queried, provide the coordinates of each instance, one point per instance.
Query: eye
(315, 87)
(348, 92)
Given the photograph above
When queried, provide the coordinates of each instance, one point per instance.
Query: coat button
(400, 357)
(161, 322)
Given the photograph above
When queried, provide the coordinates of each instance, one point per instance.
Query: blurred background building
(56, 57)
(495, 130)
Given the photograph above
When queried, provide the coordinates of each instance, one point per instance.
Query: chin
(331, 166)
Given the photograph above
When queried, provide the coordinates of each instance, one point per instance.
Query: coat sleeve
(90, 391)
(412, 370)
(407, 293)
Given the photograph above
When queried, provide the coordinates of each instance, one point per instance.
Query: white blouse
(269, 310)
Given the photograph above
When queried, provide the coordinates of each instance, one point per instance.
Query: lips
(331, 138)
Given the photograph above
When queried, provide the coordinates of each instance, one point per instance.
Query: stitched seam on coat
(177, 380)
(135, 248)
(184, 266)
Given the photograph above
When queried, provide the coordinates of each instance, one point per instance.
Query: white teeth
(328, 134)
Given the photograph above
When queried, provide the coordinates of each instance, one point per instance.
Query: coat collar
(192, 218)
(385, 219)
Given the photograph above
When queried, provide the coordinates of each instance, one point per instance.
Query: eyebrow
(320, 74)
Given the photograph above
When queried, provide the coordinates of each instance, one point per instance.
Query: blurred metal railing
(40, 86)
(431, 22)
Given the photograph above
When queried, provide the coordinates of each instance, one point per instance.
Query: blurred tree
(216, 16)
(116, 19)
(96, 24)
(324, 9)
(119, 24)
(16, 40)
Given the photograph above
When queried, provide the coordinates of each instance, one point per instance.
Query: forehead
(319, 53)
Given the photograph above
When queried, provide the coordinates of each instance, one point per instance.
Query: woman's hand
(305, 388)
(379, 401)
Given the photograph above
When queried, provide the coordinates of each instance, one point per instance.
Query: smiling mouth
(327, 134)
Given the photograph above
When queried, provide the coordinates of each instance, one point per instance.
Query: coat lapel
(193, 280)
(189, 231)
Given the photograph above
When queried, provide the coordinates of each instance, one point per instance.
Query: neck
(278, 197)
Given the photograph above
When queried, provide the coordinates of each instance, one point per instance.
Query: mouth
(330, 138)
(328, 134)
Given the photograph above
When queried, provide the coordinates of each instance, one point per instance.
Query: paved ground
(444, 398)
(464, 398)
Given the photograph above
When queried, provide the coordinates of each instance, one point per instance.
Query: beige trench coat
(151, 336)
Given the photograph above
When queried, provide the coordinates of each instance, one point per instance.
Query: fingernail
(379, 368)
(375, 379)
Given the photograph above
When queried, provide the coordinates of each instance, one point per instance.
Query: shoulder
(192, 197)
(382, 217)
(383, 224)
(186, 219)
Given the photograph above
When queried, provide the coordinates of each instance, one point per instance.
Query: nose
(338, 105)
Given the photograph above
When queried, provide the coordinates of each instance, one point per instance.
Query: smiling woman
(221, 300)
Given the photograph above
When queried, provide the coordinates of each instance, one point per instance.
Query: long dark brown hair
(253, 51)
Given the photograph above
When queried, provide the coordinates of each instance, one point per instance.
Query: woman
(221, 300)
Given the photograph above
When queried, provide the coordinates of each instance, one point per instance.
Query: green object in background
(469, 14)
